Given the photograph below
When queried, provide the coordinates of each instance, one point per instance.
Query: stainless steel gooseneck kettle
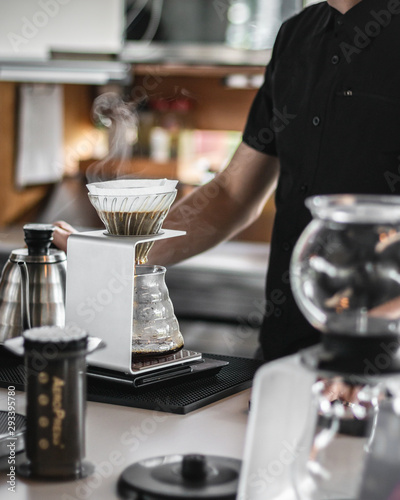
(32, 284)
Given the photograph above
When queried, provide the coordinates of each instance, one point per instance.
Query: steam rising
(120, 119)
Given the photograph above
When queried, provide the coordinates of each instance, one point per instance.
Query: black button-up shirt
(330, 110)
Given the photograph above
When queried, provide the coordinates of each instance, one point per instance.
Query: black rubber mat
(178, 396)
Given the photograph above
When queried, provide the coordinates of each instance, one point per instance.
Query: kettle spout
(25, 312)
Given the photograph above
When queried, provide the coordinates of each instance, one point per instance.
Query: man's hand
(61, 234)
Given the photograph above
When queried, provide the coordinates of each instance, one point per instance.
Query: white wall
(33, 28)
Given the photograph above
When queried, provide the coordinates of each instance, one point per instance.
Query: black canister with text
(55, 362)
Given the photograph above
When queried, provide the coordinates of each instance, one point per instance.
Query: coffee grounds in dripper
(133, 208)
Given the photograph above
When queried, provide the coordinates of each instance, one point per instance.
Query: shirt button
(286, 246)
(278, 312)
(335, 59)
(316, 121)
(303, 188)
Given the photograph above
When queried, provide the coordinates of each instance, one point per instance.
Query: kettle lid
(38, 238)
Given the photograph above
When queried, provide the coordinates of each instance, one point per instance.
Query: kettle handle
(25, 313)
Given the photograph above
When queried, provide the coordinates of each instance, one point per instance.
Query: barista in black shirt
(330, 110)
(326, 120)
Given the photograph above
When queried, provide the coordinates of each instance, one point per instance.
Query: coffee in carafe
(155, 327)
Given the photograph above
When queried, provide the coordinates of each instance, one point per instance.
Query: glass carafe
(155, 327)
(345, 270)
(315, 416)
(345, 275)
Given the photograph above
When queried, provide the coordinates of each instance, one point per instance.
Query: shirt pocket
(378, 117)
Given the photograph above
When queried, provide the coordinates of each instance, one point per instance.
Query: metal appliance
(32, 285)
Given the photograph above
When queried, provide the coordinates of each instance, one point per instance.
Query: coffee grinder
(323, 420)
(109, 291)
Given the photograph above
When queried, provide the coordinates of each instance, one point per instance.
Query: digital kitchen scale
(143, 364)
(161, 369)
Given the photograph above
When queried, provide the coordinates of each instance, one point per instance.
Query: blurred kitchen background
(189, 70)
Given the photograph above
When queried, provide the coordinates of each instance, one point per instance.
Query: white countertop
(118, 436)
(226, 283)
(233, 257)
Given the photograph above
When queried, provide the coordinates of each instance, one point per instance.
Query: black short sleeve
(258, 132)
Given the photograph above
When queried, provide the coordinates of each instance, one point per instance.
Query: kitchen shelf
(203, 71)
(192, 54)
(89, 72)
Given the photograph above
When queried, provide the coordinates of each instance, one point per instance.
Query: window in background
(243, 24)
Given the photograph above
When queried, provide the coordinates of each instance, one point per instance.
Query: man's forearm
(204, 228)
(218, 210)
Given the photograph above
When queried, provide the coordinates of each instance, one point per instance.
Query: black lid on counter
(181, 476)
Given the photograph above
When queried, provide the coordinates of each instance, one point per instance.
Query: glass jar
(155, 327)
(316, 429)
(345, 275)
(345, 270)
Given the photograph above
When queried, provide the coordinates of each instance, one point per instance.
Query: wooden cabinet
(217, 106)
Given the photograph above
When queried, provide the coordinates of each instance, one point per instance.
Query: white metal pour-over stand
(100, 292)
